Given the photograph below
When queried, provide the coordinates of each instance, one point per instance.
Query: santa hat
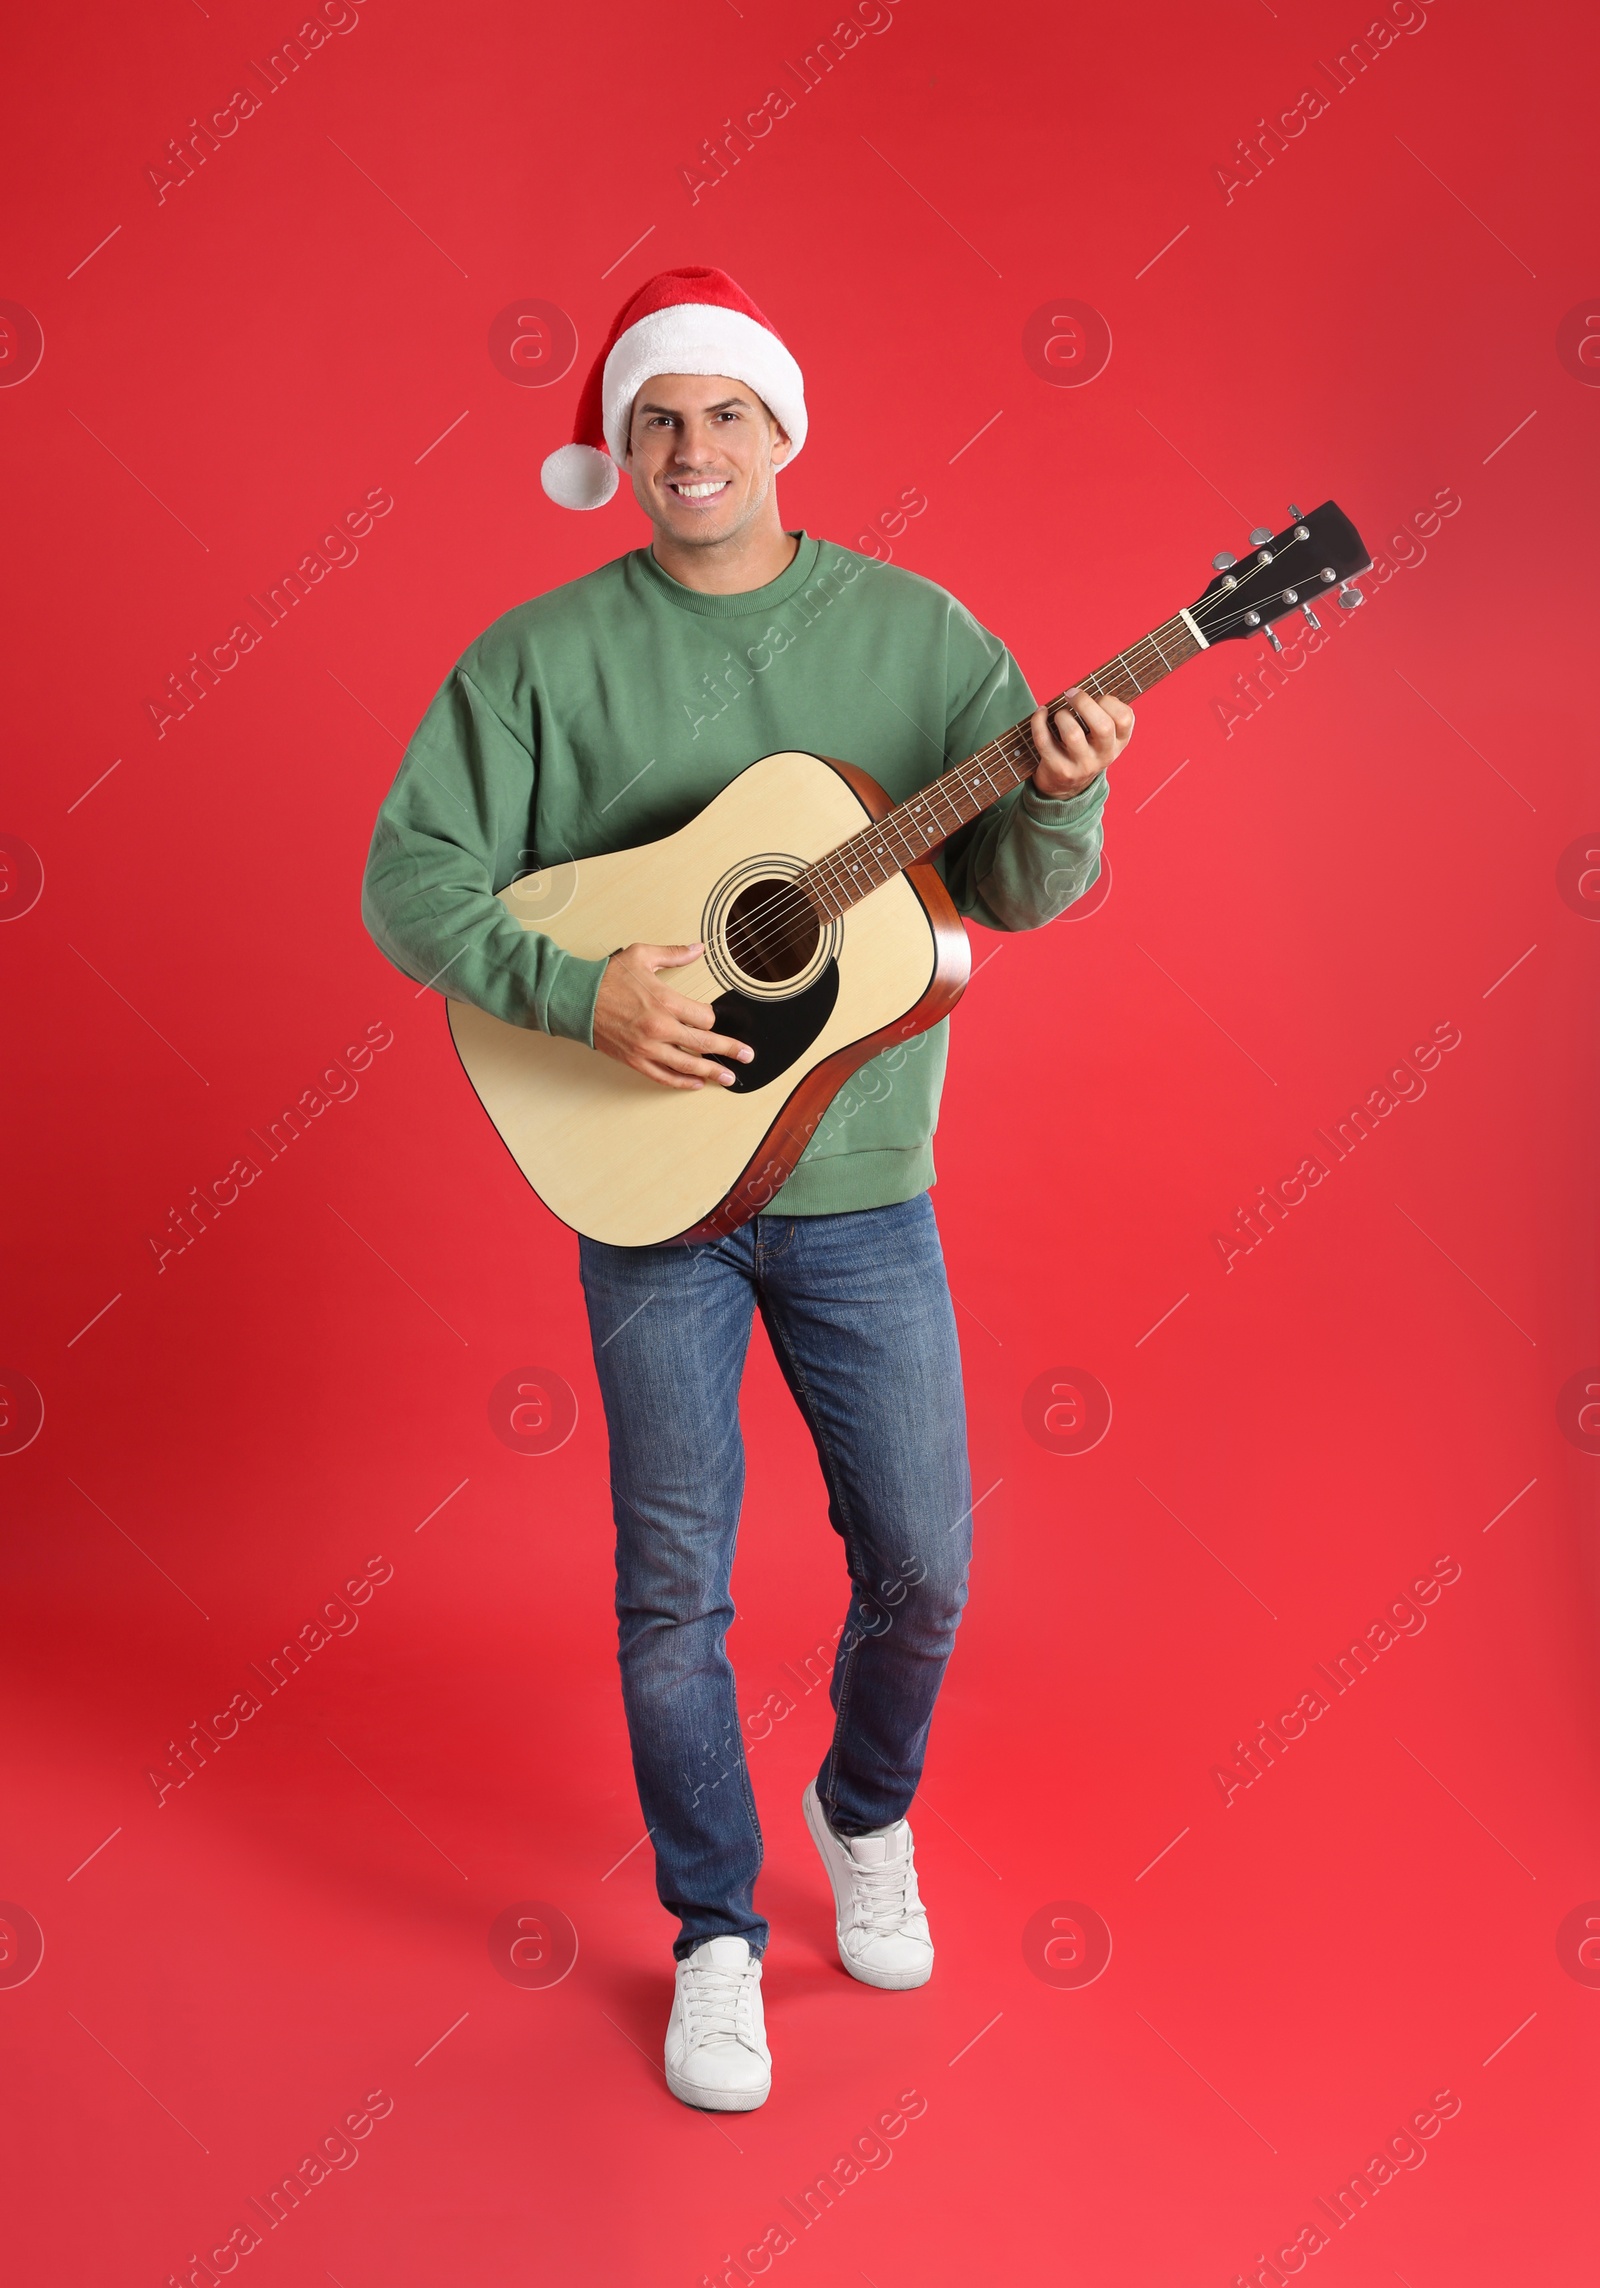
(694, 320)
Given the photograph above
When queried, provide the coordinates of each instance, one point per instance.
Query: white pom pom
(576, 476)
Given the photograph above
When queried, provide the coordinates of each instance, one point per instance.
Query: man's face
(702, 452)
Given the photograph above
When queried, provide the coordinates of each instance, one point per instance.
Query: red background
(1372, 852)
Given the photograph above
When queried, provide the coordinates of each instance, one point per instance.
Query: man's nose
(694, 447)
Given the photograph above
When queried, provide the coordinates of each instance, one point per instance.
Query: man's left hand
(1072, 754)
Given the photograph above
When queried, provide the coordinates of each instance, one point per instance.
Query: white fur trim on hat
(700, 337)
(577, 476)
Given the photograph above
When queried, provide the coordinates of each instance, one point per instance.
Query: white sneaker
(717, 2053)
(883, 1932)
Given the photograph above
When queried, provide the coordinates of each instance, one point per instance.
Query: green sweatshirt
(608, 712)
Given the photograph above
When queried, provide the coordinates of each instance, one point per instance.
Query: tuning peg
(1272, 638)
(1311, 618)
(1260, 537)
(1223, 562)
(1350, 597)
(1294, 512)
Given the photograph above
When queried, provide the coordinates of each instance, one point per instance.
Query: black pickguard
(778, 1031)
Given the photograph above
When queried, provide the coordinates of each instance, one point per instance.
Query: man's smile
(698, 488)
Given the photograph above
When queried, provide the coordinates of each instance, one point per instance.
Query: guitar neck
(914, 828)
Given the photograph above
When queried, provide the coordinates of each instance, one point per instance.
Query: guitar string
(1008, 749)
(878, 838)
(775, 917)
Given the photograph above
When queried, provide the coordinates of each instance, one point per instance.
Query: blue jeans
(861, 1323)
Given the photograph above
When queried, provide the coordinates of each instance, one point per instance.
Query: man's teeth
(701, 492)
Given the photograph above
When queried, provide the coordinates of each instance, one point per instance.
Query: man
(606, 714)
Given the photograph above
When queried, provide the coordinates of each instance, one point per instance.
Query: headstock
(1284, 572)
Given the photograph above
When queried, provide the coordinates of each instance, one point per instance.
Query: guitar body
(816, 979)
(623, 1159)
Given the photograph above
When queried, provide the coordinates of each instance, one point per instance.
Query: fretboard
(914, 828)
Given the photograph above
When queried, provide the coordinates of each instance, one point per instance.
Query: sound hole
(771, 931)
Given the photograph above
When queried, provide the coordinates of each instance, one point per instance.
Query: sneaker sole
(892, 1981)
(717, 2100)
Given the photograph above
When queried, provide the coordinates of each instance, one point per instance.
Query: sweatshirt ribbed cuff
(569, 1004)
(1063, 810)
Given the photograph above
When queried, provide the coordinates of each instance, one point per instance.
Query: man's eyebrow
(646, 406)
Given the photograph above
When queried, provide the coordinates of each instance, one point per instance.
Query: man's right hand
(643, 1023)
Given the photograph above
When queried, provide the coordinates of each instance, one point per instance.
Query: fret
(1019, 760)
(812, 886)
(907, 834)
(941, 793)
(999, 754)
(1177, 643)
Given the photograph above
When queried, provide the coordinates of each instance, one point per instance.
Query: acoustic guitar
(828, 938)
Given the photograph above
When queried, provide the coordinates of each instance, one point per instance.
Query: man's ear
(782, 443)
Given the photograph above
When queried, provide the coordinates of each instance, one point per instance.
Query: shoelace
(883, 1897)
(713, 1998)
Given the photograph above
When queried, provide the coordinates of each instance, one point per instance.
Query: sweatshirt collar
(747, 602)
